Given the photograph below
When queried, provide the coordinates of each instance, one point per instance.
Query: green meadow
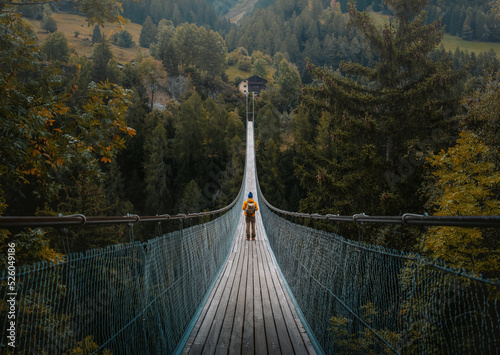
(452, 42)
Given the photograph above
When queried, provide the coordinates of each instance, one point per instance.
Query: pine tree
(468, 28)
(376, 122)
(192, 200)
(96, 35)
(101, 55)
(188, 142)
(148, 33)
(157, 171)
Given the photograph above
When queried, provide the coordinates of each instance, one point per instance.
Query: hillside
(240, 9)
(450, 42)
(69, 24)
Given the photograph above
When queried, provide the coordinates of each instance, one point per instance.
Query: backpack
(250, 210)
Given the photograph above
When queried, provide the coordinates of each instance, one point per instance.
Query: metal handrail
(407, 218)
(80, 219)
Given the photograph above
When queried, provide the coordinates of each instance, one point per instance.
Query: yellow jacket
(245, 204)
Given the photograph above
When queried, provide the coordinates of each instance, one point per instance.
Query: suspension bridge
(205, 289)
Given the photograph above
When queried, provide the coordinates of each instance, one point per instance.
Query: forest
(358, 117)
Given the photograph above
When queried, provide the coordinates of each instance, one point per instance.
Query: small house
(252, 84)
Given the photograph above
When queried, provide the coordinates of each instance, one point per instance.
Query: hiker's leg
(248, 228)
(253, 228)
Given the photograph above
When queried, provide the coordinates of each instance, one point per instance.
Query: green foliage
(356, 129)
(245, 64)
(56, 47)
(87, 345)
(166, 50)
(287, 78)
(192, 199)
(153, 75)
(158, 170)
(198, 12)
(148, 33)
(350, 338)
(123, 39)
(260, 68)
(49, 24)
(96, 35)
(40, 133)
(466, 181)
(101, 55)
(190, 46)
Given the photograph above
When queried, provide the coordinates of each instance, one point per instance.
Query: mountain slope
(240, 9)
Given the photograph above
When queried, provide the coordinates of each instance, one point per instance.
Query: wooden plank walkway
(249, 310)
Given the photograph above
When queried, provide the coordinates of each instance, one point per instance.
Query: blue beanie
(250, 195)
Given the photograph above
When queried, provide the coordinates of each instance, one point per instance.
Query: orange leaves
(131, 132)
(106, 160)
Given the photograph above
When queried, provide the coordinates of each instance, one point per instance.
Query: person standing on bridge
(250, 207)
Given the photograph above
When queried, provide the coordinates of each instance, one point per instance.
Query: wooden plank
(279, 321)
(248, 325)
(304, 337)
(273, 344)
(210, 301)
(293, 328)
(237, 333)
(212, 338)
(259, 327)
(227, 333)
(212, 322)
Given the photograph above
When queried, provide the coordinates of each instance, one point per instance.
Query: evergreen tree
(124, 39)
(468, 28)
(192, 200)
(101, 55)
(148, 33)
(188, 141)
(157, 171)
(96, 35)
(376, 123)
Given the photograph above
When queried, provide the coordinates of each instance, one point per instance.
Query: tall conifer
(378, 116)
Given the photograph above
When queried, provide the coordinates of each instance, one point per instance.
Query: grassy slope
(452, 42)
(68, 24)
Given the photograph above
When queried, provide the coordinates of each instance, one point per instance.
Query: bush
(123, 39)
(49, 24)
(245, 64)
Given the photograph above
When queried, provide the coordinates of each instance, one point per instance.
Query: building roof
(255, 79)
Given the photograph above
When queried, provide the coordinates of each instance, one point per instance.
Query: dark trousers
(250, 222)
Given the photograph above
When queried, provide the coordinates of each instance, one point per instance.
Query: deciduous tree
(56, 47)
(466, 181)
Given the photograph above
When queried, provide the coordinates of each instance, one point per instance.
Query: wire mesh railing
(124, 299)
(360, 298)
